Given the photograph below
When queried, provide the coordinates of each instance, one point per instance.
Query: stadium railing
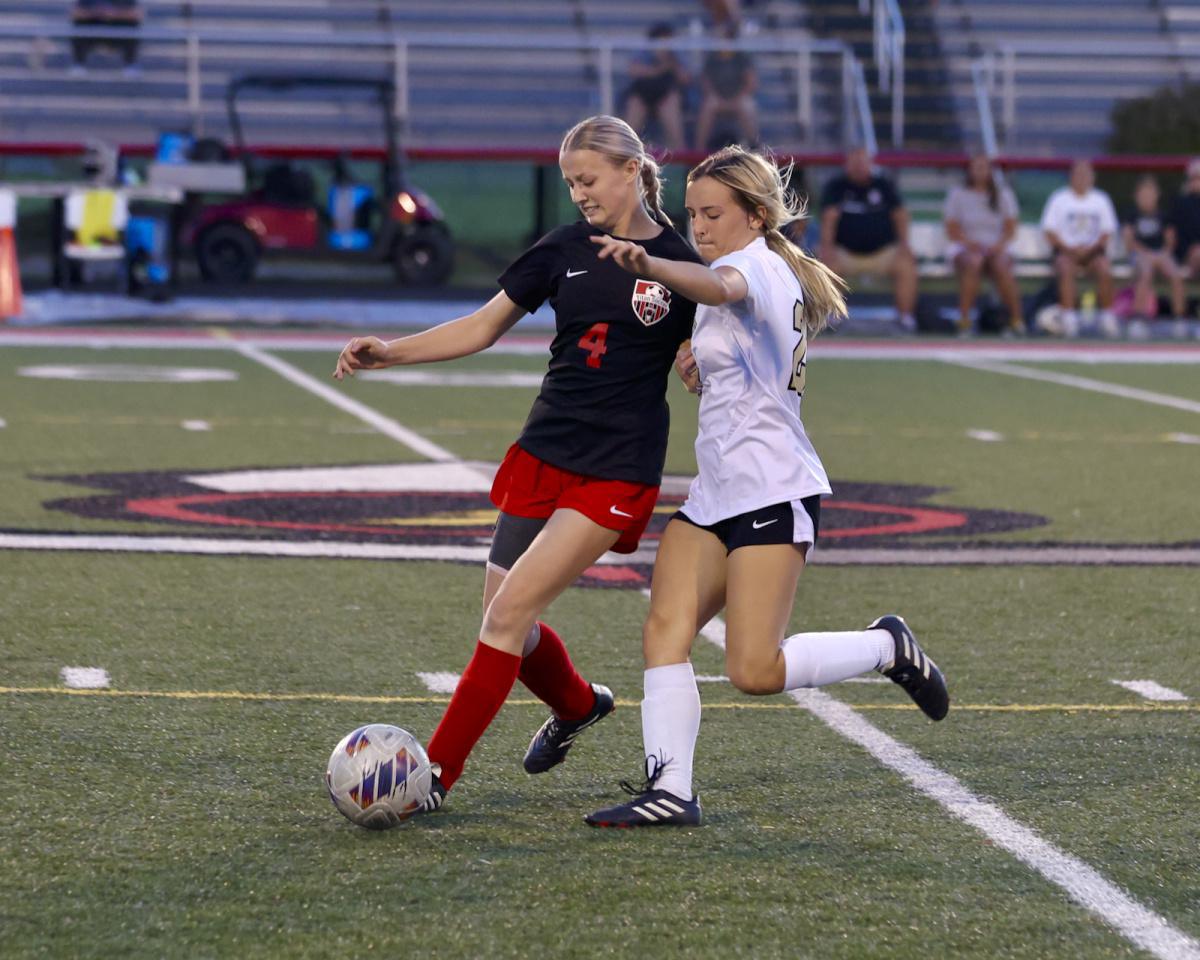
(888, 41)
(1004, 71)
(393, 51)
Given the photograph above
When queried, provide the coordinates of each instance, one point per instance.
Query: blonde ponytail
(824, 290)
(762, 191)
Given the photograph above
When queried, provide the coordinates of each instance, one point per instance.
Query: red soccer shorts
(528, 487)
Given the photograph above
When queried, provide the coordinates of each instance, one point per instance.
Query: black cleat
(655, 808)
(550, 744)
(437, 795)
(650, 807)
(913, 670)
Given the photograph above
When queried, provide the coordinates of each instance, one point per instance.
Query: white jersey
(751, 449)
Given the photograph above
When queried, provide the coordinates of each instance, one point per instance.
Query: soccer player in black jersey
(583, 476)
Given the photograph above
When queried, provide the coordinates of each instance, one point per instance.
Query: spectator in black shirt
(1185, 215)
(583, 476)
(1150, 241)
(657, 88)
(864, 232)
(729, 81)
(123, 14)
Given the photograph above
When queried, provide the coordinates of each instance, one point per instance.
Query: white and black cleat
(437, 795)
(550, 744)
(913, 670)
(655, 808)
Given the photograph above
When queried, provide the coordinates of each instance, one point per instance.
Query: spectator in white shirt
(1079, 221)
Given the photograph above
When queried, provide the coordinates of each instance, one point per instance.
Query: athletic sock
(480, 693)
(817, 659)
(671, 724)
(551, 677)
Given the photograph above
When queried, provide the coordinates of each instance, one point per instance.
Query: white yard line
(985, 436)
(439, 682)
(472, 553)
(1083, 884)
(535, 339)
(1150, 690)
(385, 425)
(85, 678)
(1080, 383)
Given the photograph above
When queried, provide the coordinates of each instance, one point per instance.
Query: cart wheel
(424, 257)
(227, 253)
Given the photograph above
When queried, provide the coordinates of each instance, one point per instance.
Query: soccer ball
(378, 776)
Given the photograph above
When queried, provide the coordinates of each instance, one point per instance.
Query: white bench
(1030, 252)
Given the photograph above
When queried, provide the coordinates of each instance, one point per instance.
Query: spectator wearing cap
(1079, 222)
(864, 232)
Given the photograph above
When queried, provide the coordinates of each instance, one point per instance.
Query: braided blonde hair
(761, 189)
(613, 138)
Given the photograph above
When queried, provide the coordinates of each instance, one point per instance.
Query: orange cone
(10, 277)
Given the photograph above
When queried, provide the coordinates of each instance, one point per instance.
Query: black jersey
(602, 410)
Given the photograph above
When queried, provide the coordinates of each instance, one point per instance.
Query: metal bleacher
(472, 73)
(1068, 62)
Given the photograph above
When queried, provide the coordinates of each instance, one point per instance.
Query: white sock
(671, 724)
(817, 659)
(532, 639)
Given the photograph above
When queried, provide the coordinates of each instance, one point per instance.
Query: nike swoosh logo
(619, 513)
(575, 273)
(758, 526)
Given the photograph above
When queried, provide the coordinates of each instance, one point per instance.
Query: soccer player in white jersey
(740, 540)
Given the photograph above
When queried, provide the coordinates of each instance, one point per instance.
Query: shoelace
(655, 765)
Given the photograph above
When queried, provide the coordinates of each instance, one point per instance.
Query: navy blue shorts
(794, 521)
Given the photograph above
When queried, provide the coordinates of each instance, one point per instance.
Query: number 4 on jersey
(594, 343)
(800, 354)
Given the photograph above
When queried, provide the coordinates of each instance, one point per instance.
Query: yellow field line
(730, 705)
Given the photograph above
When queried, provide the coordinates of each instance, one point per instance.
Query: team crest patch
(651, 301)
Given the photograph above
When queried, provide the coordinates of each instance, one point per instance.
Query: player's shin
(671, 724)
(481, 691)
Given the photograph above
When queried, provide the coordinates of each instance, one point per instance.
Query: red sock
(481, 692)
(551, 676)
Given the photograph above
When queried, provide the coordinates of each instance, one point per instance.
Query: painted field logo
(442, 511)
(651, 301)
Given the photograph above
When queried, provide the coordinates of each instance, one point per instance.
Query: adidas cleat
(437, 796)
(656, 808)
(913, 670)
(550, 744)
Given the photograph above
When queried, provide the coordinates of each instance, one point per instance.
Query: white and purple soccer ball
(378, 776)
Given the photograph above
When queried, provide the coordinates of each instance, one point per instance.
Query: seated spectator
(1150, 241)
(1185, 217)
(981, 221)
(1079, 221)
(864, 232)
(656, 92)
(124, 14)
(729, 81)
